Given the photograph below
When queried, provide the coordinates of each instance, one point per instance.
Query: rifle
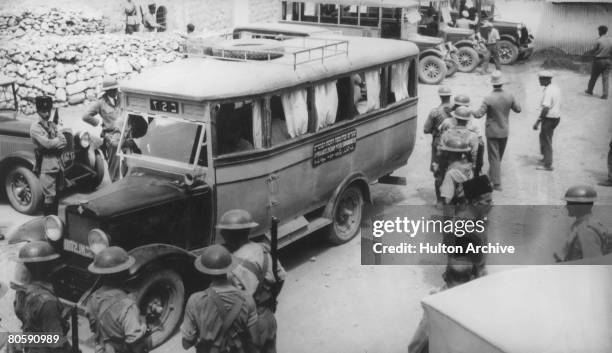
(278, 283)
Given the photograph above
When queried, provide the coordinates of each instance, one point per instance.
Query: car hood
(132, 193)
(14, 127)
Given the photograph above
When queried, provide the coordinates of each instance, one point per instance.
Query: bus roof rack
(283, 50)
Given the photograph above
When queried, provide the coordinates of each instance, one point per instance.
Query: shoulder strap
(228, 318)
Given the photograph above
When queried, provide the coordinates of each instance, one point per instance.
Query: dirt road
(331, 303)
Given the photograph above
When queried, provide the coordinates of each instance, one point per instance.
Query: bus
(295, 130)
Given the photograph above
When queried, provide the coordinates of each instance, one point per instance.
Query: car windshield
(163, 138)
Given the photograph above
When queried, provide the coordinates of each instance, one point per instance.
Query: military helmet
(37, 251)
(454, 143)
(43, 103)
(444, 91)
(215, 260)
(111, 260)
(236, 219)
(580, 194)
(462, 99)
(462, 113)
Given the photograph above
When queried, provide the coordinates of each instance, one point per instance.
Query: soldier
(461, 128)
(221, 318)
(113, 315)
(550, 115)
(588, 237)
(432, 126)
(49, 146)
(458, 271)
(254, 272)
(455, 149)
(108, 108)
(36, 304)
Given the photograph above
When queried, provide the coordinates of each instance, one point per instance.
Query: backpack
(604, 235)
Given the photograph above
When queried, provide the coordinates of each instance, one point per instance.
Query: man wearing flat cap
(49, 146)
(109, 109)
(549, 118)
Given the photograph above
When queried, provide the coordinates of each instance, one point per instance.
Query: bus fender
(22, 158)
(357, 178)
(32, 230)
(160, 253)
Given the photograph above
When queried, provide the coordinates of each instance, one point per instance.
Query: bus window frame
(205, 128)
(267, 147)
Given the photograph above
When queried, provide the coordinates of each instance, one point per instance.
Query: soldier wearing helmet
(255, 271)
(221, 318)
(496, 106)
(588, 237)
(456, 150)
(460, 126)
(432, 126)
(49, 144)
(113, 315)
(36, 304)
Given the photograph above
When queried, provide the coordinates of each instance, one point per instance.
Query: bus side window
(369, 16)
(325, 104)
(310, 12)
(234, 127)
(348, 15)
(346, 99)
(278, 124)
(399, 83)
(391, 23)
(329, 13)
(412, 79)
(289, 115)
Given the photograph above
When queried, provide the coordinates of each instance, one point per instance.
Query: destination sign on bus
(164, 106)
(334, 147)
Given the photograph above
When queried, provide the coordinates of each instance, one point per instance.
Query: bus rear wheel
(347, 213)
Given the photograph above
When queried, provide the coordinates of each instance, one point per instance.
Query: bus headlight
(54, 228)
(85, 139)
(97, 240)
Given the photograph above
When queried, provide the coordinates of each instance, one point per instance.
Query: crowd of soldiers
(234, 314)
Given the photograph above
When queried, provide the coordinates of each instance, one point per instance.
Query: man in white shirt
(465, 22)
(492, 39)
(549, 118)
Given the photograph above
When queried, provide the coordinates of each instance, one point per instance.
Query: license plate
(164, 106)
(67, 157)
(78, 248)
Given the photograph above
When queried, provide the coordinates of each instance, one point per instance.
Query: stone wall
(45, 22)
(71, 69)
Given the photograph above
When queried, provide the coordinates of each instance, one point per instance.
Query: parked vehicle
(396, 19)
(84, 166)
(533, 309)
(517, 41)
(294, 129)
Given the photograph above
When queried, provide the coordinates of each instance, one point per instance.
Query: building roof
(372, 3)
(208, 78)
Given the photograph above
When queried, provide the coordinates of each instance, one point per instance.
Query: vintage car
(442, 52)
(560, 308)
(84, 166)
(294, 130)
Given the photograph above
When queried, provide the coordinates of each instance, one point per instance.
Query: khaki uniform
(255, 275)
(115, 320)
(584, 239)
(432, 126)
(49, 144)
(110, 113)
(204, 321)
(40, 311)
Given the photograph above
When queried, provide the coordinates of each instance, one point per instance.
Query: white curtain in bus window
(257, 124)
(372, 79)
(326, 103)
(399, 80)
(296, 112)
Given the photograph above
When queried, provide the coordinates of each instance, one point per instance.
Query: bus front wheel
(347, 213)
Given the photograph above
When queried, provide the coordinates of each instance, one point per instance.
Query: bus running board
(297, 229)
(392, 180)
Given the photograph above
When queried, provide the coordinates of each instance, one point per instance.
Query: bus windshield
(165, 138)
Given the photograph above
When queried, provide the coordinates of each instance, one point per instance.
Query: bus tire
(507, 51)
(432, 70)
(346, 215)
(467, 59)
(160, 296)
